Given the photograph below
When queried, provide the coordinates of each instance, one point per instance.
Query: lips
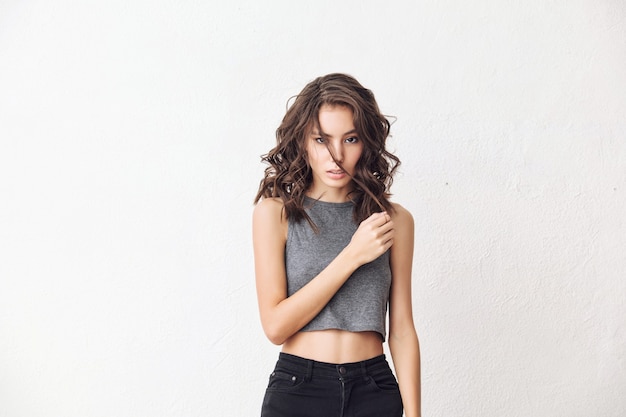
(336, 174)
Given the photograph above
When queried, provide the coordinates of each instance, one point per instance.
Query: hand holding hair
(373, 237)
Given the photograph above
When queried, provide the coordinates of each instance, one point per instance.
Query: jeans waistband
(311, 368)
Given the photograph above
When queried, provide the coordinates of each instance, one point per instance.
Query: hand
(373, 237)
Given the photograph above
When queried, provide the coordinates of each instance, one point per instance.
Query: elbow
(277, 340)
(275, 335)
(276, 327)
(403, 339)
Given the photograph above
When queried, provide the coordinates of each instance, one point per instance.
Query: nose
(337, 152)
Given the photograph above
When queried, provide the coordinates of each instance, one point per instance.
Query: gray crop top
(361, 303)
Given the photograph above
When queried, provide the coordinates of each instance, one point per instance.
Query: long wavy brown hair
(289, 174)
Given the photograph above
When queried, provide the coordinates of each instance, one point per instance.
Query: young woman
(331, 253)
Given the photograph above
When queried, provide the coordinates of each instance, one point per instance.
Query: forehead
(329, 107)
(333, 117)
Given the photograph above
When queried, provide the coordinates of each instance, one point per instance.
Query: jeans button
(342, 370)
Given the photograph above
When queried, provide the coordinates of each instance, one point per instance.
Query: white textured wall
(130, 140)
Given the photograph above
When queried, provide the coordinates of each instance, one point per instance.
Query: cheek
(311, 156)
(356, 155)
(309, 153)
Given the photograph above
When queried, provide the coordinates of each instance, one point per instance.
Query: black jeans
(301, 387)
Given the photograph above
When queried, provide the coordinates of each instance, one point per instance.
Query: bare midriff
(334, 346)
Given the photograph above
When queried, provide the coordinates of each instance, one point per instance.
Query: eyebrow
(316, 132)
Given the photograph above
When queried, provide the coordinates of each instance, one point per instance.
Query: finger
(389, 234)
(376, 216)
(373, 219)
(386, 227)
(380, 219)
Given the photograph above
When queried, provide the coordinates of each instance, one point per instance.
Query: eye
(352, 139)
(319, 140)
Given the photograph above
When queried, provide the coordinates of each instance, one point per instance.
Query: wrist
(350, 258)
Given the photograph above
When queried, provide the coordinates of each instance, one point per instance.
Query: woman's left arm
(403, 342)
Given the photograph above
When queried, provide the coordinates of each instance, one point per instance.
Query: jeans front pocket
(385, 382)
(284, 381)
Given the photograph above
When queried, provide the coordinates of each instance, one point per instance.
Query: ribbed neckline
(313, 202)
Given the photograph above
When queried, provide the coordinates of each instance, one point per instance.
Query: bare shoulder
(269, 209)
(401, 216)
(269, 214)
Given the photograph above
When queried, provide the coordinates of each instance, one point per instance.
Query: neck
(329, 196)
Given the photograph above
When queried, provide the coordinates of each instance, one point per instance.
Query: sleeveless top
(361, 303)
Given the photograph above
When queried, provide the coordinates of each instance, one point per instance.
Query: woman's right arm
(283, 316)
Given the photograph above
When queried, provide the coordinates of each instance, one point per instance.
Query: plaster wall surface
(130, 136)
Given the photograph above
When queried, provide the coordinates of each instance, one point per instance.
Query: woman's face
(338, 135)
